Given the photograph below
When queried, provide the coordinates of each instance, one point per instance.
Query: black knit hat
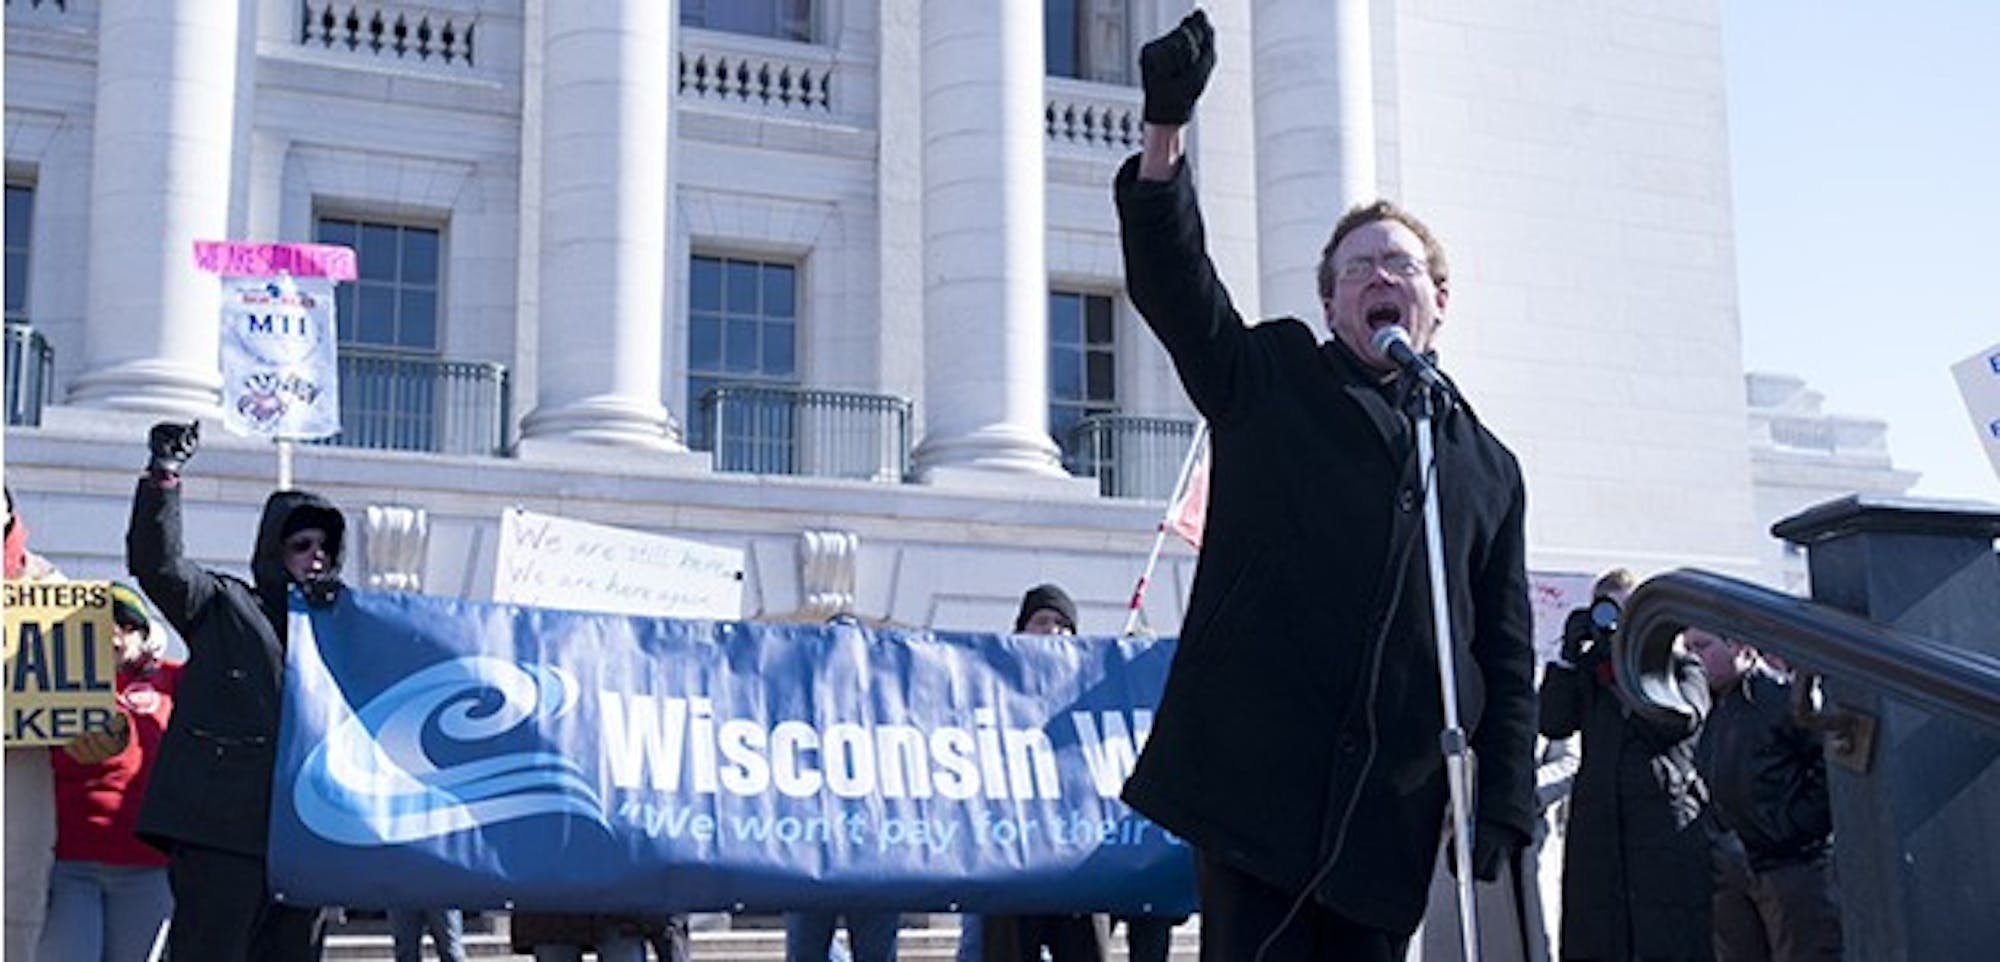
(1046, 596)
(310, 517)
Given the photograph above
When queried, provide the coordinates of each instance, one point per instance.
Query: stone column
(1316, 140)
(985, 270)
(1222, 147)
(159, 181)
(607, 101)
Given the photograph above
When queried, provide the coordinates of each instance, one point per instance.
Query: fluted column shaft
(159, 181)
(985, 267)
(1316, 139)
(607, 104)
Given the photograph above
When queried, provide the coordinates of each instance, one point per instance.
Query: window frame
(1088, 63)
(699, 379)
(22, 314)
(814, 21)
(1083, 405)
(348, 296)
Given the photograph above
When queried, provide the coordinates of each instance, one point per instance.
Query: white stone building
(1801, 455)
(598, 210)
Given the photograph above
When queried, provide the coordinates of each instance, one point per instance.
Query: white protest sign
(1554, 595)
(280, 372)
(1979, 381)
(553, 562)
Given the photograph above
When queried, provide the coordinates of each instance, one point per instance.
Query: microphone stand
(1458, 759)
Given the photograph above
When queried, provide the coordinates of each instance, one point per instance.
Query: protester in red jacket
(108, 895)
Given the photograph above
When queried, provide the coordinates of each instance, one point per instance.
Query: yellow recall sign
(61, 668)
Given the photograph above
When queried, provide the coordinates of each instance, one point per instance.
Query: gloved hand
(172, 444)
(91, 748)
(1578, 635)
(320, 592)
(1174, 68)
(1492, 845)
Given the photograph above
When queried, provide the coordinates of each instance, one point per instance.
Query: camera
(1604, 614)
(1588, 628)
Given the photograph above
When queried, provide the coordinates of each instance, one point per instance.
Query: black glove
(1578, 635)
(1492, 845)
(172, 444)
(1174, 68)
(320, 592)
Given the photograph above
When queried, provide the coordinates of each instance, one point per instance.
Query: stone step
(937, 944)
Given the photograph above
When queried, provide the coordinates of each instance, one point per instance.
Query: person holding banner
(208, 803)
(1296, 745)
(1046, 609)
(108, 896)
(30, 787)
(554, 937)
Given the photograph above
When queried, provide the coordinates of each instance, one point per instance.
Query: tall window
(779, 19)
(388, 322)
(20, 218)
(742, 332)
(394, 302)
(1083, 366)
(1089, 39)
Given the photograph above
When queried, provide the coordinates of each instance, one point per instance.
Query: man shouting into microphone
(1297, 743)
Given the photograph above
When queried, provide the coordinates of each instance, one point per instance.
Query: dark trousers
(870, 935)
(1150, 938)
(669, 938)
(1789, 913)
(1069, 938)
(1242, 917)
(224, 913)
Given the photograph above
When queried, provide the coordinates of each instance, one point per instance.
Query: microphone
(1393, 343)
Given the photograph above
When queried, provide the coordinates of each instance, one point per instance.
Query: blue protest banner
(439, 752)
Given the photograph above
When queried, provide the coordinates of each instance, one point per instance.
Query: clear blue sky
(1865, 145)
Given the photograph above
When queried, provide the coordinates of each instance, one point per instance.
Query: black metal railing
(770, 429)
(30, 370)
(1130, 456)
(399, 401)
(1921, 671)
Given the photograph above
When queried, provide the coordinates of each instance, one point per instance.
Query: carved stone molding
(826, 572)
(394, 541)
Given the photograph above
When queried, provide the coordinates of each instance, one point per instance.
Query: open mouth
(1383, 315)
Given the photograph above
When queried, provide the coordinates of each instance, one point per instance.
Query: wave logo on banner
(371, 782)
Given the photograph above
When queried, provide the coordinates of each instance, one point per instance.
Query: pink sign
(249, 259)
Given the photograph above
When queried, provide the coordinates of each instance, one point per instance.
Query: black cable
(1402, 570)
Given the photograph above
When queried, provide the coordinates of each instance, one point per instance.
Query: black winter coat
(1765, 774)
(1636, 868)
(212, 783)
(1289, 697)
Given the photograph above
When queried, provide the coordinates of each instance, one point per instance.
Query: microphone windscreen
(1390, 336)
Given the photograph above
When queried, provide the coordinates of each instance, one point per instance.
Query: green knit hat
(127, 610)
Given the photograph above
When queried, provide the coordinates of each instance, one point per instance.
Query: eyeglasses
(1397, 264)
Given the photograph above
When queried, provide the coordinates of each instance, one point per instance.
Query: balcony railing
(30, 369)
(1131, 457)
(412, 402)
(737, 71)
(760, 429)
(1091, 115)
(406, 33)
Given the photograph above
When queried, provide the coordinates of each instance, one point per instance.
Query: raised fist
(1174, 69)
(171, 445)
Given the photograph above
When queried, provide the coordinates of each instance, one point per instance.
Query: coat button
(1407, 500)
(1348, 744)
